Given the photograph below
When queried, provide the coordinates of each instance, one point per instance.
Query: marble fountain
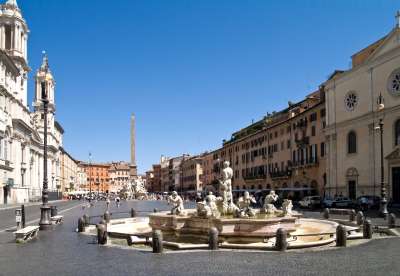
(239, 225)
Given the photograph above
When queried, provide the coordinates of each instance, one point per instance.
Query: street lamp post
(90, 177)
(383, 206)
(98, 188)
(45, 223)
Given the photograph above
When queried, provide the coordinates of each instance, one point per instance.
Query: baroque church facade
(357, 101)
(21, 129)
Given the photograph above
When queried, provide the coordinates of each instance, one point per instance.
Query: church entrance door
(396, 184)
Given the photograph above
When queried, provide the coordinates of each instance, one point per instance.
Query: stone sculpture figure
(138, 188)
(208, 208)
(232, 209)
(228, 206)
(203, 210)
(270, 199)
(244, 204)
(211, 201)
(287, 207)
(177, 203)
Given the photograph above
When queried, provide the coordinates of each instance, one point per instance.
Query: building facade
(119, 174)
(21, 131)
(285, 151)
(192, 171)
(69, 172)
(98, 179)
(211, 165)
(155, 180)
(149, 181)
(82, 178)
(357, 100)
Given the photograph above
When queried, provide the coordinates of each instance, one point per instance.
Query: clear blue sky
(193, 72)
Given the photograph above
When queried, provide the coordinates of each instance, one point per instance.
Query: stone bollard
(281, 240)
(391, 220)
(341, 236)
(81, 225)
(101, 234)
(133, 213)
(86, 219)
(157, 241)
(155, 210)
(367, 230)
(107, 216)
(360, 218)
(352, 215)
(53, 211)
(129, 241)
(326, 213)
(213, 239)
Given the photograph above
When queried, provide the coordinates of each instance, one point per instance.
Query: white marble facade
(353, 137)
(21, 130)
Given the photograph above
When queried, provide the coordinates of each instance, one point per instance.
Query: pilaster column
(333, 170)
(371, 157)
(2, 44)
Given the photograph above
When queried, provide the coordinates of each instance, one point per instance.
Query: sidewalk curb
(29, 204)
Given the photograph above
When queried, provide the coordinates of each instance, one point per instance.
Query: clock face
(351, 100)
(393, 85)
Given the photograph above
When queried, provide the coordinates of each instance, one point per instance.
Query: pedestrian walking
(117, 201)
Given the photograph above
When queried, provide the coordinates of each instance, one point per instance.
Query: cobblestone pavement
(64, 252)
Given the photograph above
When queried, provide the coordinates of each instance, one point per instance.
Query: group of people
(117, 202)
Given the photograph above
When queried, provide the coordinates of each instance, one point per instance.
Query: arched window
(397, 133)
(351, 142)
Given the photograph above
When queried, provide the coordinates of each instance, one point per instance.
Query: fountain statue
(177, 203)
(227, 207)
(244, 204)
(208, 208)
(287, 207)
(270, 199)
(137, 187)
(203, 210)
(239, 225)
(211, 201)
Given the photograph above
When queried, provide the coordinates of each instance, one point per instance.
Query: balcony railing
(281, 174)
(303, 141)
(255, 177)
(312, 161)
(6, 164)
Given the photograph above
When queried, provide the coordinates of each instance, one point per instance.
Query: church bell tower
(13, 41)
(45, 76)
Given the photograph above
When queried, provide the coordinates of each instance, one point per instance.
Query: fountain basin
(255, 229)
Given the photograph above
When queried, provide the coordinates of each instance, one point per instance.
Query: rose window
(394, 83)
(351, 101)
